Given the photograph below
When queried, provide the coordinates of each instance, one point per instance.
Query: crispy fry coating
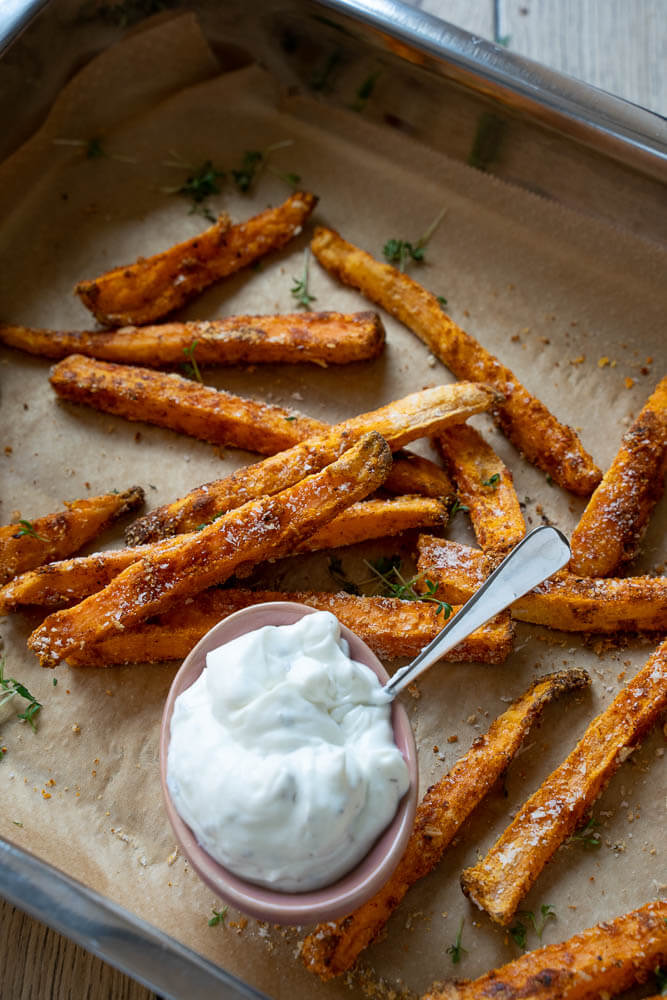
(525, 420)
(399, 422)
(617, 514)
(322, 338)
(567, 602)
(28, 544)
(70, 580)
(333, 947)
(216, 416)
(485, 485)
(154, 286)
(261, 529)
(601, 961)
(499, 881)
(392, 628)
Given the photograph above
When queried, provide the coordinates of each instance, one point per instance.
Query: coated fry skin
(526, 421)
(399, 422)
(602, 961)
(154, 286)
(485, 485)
(567, 602)
(333, 947)
(617, 514)
(73, 579)
(499, 881)
(54, 536)
(391, 627)
(261, 529)
(218, 417)
(322, 338)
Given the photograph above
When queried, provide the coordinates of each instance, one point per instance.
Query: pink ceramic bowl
(370, 874)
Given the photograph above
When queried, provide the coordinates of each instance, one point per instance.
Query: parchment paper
(551, 293)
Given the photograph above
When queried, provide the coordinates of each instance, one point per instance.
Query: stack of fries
(154, 599)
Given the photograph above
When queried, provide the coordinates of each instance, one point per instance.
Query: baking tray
(322, 47)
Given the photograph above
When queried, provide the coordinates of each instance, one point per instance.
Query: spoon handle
(537, 556)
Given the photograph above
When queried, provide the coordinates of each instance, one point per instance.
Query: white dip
(282, 758)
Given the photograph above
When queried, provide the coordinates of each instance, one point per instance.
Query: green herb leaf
(549, 479)
(10, 688)
(290, 418)
(492, 481)
(337, 573)
(94, 149)
(442, 301)
(518, 933)
(456, 507)
(365, 91)
(218, 917)
(191, 368)
(398, 252)
(28, 529)
(456, 950)
(245, 175)
(490, 130)
(299, 289)
(588, 836)
(322, 78)
(55, 682)
(199, 186)
(661, 978)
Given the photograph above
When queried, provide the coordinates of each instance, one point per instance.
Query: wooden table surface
(613, 44)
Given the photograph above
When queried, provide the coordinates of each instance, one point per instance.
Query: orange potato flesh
(216, 416)
(500, 880)
(600, 962)
(261, 529)
(392, 628)
(73, 579)
(399, 422)
(154, 286)
(333, 947)
(54, 536)
(526, 421)
(617, 514)
(485, 485)
(567, 602)
(323, 338)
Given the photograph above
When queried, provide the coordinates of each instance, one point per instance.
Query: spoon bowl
(363, 881)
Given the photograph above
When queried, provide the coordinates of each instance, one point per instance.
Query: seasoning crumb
(578, 361)
(76, 728)
(603, 362)
(453, 738)
(628, 382)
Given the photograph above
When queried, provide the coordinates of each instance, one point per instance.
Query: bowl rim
(372, 872)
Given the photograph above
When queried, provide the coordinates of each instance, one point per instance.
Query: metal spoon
(538, 556)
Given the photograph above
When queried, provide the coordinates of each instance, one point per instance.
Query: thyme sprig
(519, 930)
(10, 688)
(218, 917)
(190, 367)
(405, 590)
(27, 528)
(254, 161)
(399, 252)
(456, 950)
(299, 289)
(589, 836)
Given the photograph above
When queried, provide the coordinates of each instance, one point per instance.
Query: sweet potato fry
(219, 417)
(154, 286)
(499, 881)
(71, 580)
(404, 420)
(567, 602)
(525, 420)
(485, 485)
(333, 947)
(617, 514)
(53, 536)
(600, 962)
(261, 529)
(323, 338)
(392, 628)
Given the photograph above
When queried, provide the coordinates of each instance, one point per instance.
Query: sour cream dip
(282, 758)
